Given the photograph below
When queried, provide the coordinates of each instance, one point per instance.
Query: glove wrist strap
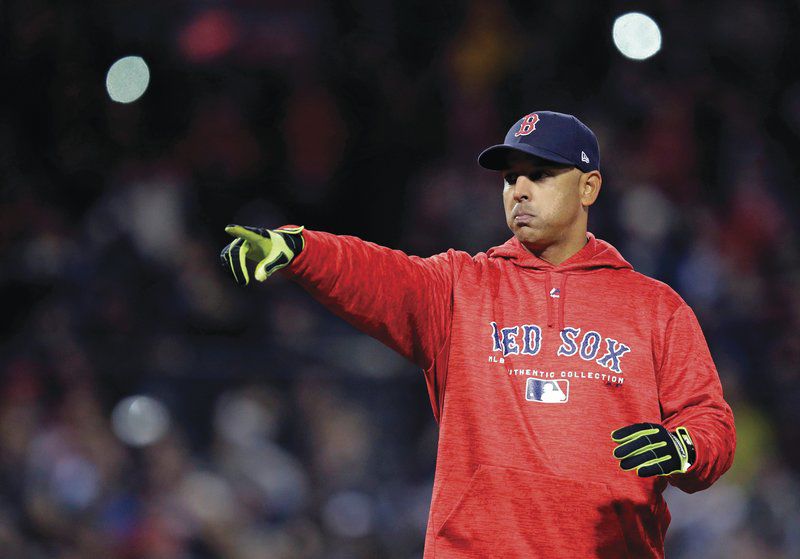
(685, 446)
(293, 236)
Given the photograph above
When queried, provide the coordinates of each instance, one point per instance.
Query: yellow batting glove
(652, 450)
(270, 249)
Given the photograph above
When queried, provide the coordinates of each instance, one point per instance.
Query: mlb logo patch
(547, 391)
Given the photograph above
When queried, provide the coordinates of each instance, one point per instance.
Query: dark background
(291, 435)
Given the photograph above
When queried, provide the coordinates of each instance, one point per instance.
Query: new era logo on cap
(559, 138)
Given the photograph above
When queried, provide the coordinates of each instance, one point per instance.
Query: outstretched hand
(270, 249)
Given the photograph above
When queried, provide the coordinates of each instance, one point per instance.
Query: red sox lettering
(526, 339)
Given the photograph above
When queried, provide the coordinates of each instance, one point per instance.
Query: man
(569, 389)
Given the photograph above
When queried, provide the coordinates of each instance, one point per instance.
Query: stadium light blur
(140, 420)
(636, 35)
(349, 514)
(127, 79)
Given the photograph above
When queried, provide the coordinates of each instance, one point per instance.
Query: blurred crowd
(285, 433)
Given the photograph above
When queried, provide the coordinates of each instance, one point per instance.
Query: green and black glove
(652, 450)
(270, 249)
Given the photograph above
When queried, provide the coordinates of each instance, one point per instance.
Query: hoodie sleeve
(690, 395)
(404, 301)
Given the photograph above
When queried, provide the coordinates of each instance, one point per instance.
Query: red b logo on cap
(528, 125)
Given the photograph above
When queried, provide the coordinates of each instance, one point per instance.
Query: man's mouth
(522, 217)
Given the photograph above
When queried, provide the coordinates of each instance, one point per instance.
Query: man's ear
(590, 187)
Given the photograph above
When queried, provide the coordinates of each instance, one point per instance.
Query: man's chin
(530, 238)
(526, 235)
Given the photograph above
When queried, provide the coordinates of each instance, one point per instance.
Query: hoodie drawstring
(555, 296)
(562, 303)
(548, 294)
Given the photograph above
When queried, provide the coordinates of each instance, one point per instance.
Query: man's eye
(538, 175)
(511, 179)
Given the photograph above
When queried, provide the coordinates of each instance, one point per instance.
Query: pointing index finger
(243, 233)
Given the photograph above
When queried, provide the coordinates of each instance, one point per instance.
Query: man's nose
(523, 189)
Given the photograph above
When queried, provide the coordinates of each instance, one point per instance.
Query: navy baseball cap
(552, 136)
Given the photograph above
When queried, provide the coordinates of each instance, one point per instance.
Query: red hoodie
(529, 368)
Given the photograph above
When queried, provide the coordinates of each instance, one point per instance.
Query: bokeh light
(636, 35)
(140, 420)
(127, 79)
(349, 514)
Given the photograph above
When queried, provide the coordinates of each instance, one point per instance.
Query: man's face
(542, 200)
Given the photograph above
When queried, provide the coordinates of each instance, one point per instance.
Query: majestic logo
(547, 391)
(528, 125)
(555, 293)
(526, 339)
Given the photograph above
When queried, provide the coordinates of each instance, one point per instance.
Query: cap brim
(495, 158)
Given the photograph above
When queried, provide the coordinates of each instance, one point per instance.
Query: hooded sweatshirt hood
(595, 254)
